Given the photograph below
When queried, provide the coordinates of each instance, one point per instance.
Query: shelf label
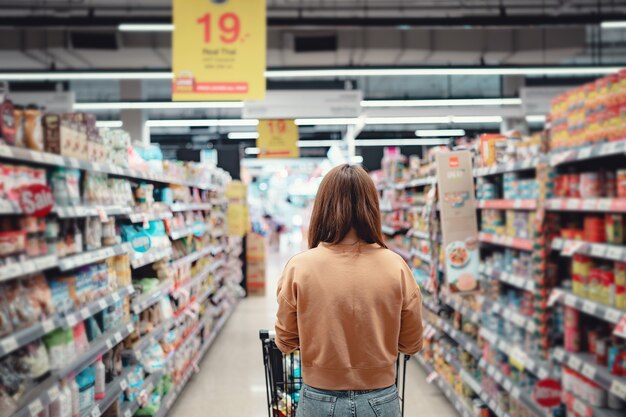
(128, 413)
(571, 247)
(85, 313)
(72, 320)
(6, 151)
(620, 327)
(116, 297)
(615, 253)
(8, 344)
(613, 315)
(618, 388)
(118, 337)
(109, 344)
(515, 392)
(48, 326)
(573, 204)
(559, 354)
(589, 371)
(598, 250)
(589, 307)
(574, 362)
(124, 384)
(35, 408)
(95, 411)
(102, 304)
(508, 385)
(584, 153)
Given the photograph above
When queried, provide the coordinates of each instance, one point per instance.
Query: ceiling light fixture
(158, 105)
(536, 118)
(243, 135)
(444, 102)
(613, 25)
(439, 132)
(401, 142)
(328, 121)
(145, 27)
(320, 73)
(109, 123)
(202, 122)
(252, 151)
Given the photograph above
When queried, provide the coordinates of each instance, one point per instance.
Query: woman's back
(349, 308)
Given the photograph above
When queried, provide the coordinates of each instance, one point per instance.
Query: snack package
(33, 133)
(65, 186)
(21, 312)
(40, 296)
(52, 133)
(18, 116)
(35, 356)
(7, 122)
(93, 233)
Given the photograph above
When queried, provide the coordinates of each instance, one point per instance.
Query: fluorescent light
(318, 143)
(252, 151)
(328, 121)
(126, 105)
(439, 132)
(321, 73)
(109, 123)
(64, 75)
(443, 103)
(202, 122)
(145, 27)
(243, 135)
(613, 25)
(401, 142)
(398, 72)
(536, 118)
(476, 119)
(357, 159)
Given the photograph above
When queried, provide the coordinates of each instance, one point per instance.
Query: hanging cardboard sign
(278, 139)
(218, 50)
(458, 220)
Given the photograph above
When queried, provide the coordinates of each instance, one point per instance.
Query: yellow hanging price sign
(218, 50)
(237, 219)
(278, 139)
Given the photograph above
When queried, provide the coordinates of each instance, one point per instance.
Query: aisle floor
(231, 383)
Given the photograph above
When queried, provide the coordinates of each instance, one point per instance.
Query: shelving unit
(210, 285)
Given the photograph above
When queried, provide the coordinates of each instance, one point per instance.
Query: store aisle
(231, 382)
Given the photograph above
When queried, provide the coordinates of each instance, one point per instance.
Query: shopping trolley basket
(283, 379)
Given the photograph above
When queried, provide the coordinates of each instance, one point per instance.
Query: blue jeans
(376, 403)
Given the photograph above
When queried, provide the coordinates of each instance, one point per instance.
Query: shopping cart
(283, 379)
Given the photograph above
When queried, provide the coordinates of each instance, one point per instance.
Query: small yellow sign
(218, 50)
(278, 139)
(237, 219)
(236, 190)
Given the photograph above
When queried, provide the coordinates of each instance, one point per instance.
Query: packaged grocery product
(18, 116)
(35, 357)
(620, 284)
(93, 233)
(100, 383)
(33, 134)
(7, 122)
(75, 395)
(614, 228)
(52, 133)
(65, 184)
(86, 385)
(20, 310)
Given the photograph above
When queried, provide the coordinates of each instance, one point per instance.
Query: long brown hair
(347, 198)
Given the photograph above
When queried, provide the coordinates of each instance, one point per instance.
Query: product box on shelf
(255, 248)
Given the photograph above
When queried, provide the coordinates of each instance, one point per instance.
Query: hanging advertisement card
(218, 50)
(278, 139)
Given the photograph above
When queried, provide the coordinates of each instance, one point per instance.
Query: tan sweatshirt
(350, 309)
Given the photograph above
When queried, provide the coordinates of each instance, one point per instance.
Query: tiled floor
(230, 381)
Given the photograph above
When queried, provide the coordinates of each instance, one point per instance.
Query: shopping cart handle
(267, 335)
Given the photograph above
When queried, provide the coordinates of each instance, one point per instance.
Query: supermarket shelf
(48, 390)
(569, 247)
(90, 257)
(9, 207)
(487, 399)
(418, 182)
(456, 304)
(388, 230)
(508, 241)
(405, 254)
(519, 320)
(511, 279)
(192, 257)
(583, 409)
(90, 211)
(153, 255)
(148, 386)
(588, 152)
(151, 338)
(585, 364)
(44, 158)
(527, 164)
(419, 234)
(603, 205)
(535, 366)
(431, 304)
(176, 207)
(22, 337)
(149, 216)
(509, 386)
(461, 407)
(146, 300)
(593, 308)
(462, 339)
(187, 231)
(420, 255)
(29, 266)
(516, 204)
(113, 391)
